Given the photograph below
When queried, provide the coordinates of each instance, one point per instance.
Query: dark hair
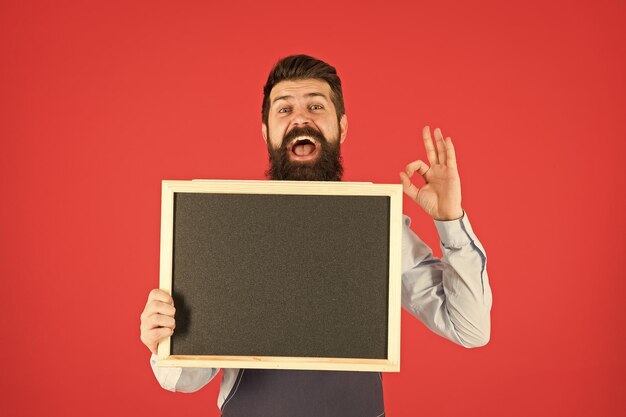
(300, 67)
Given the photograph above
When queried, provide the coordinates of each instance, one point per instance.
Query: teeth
(301, 138)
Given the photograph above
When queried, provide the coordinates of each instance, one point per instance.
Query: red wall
(100, 101)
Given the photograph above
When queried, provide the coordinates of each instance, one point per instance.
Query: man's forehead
(298, 88)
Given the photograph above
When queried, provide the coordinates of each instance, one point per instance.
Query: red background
(100, 101)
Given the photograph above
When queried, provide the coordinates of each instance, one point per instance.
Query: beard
(328, 165)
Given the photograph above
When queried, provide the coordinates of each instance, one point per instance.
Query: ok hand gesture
(440, 196)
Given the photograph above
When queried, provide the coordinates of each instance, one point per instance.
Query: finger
(154, 307)
(441, 147)
(430, 148)
(157, 321)
(408, 187)
(160, 295)
(418, 166)
(451, 155)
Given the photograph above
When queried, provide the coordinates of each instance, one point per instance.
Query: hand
(157, 319)
(440, 196)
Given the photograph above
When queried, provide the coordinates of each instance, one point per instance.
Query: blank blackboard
(291, 275)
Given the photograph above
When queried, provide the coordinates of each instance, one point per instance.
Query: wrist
(456, 215)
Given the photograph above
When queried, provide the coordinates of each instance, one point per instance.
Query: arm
(451, 296)
(157, 323)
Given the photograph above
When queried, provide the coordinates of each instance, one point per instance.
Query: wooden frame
(393, 191)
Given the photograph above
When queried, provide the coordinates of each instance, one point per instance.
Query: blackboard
(292, 275)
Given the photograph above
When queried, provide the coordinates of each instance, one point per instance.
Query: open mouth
(303, 148)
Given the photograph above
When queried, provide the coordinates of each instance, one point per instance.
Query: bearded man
(304, 124)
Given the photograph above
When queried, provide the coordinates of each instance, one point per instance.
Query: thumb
(408, 187)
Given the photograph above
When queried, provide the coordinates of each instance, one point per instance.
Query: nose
(300, 117)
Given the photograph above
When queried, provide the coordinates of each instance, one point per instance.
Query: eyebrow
(306, 95)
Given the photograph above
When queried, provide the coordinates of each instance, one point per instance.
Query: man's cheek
(275, 142)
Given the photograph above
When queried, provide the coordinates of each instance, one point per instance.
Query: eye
(316, 107)
(283, 110)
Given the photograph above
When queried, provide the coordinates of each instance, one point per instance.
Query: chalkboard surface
(280, 275)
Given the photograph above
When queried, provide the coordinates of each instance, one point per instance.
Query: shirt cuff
(167, 376)
(454, 233)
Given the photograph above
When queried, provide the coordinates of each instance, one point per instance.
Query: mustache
(303, 131)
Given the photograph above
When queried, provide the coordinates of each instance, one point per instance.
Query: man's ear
(343, 128)
(264, 131)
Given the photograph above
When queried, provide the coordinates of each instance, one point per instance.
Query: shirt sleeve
(451, 296)
(182, 379)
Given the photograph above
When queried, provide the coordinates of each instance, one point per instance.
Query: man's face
(303, 134)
